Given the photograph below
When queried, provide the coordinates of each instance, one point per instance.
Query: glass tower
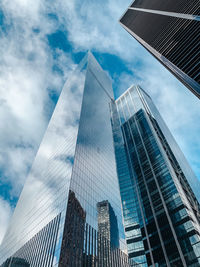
(160, 194)
(55, 222)
(169, 30)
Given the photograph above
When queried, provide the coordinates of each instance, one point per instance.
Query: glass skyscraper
(94, 149)
(170, 31)
(56, 220)
(160, 194)
(108, 229)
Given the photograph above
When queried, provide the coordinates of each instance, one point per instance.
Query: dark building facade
(16, 262)
(160, 194)
(108, 231)
(170, 31)
(55, 222)
(107, 223)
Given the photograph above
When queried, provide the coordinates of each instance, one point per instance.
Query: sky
(41, 43)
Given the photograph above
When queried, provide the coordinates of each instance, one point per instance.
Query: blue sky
(41, 42)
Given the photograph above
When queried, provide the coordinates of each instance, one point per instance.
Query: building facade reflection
(108, 237)
(73, 235)
(107, 223)
(16, 262)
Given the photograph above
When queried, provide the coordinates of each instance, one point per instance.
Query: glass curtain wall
(169, 30)
(55, 222)
(161, 209)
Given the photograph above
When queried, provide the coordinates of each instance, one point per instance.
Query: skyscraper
(170, 31)
(108, 230)
(160, 194)
(55, 222)
(107, 223)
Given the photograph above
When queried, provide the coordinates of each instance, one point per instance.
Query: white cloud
(94, 25)
(25, 78)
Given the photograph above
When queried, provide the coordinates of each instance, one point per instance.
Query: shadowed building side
(170, 31)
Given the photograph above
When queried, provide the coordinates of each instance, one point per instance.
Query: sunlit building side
(55, 222)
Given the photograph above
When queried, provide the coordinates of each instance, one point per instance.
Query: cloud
(94, 25)
(26, 81)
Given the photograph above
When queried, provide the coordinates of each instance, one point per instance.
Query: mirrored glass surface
(160, 203)
(57, 221)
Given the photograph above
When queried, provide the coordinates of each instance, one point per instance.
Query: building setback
(55, 222)
(170, 31)
(160, 194)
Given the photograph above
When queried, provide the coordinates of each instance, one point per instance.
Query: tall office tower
(160, 194)
(107, 223)
(170, 31)
(108, 230)
(55, 222)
